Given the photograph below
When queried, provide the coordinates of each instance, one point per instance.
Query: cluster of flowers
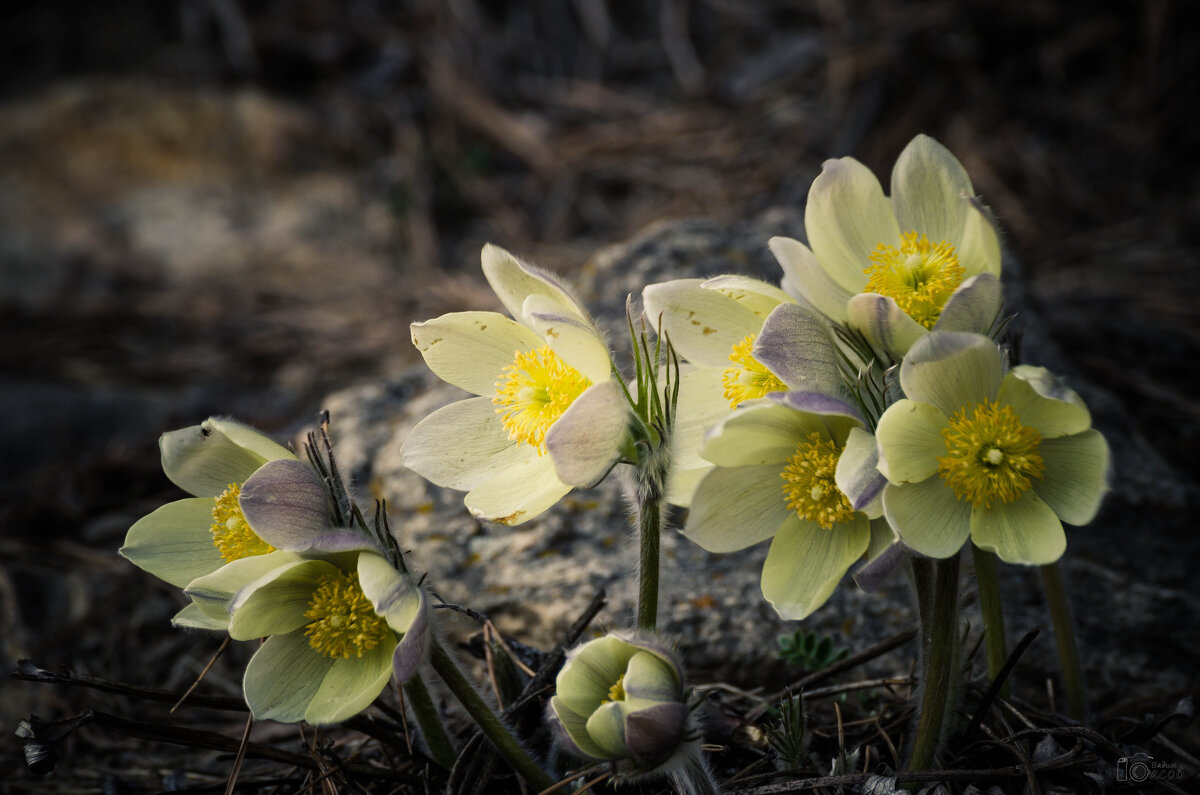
(860, 411)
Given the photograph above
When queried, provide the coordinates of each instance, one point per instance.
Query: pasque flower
(798, 467)
(338, 619)
(1003, 458)
(192, 537)
(926, 258)
(620, 697)
(547, 415)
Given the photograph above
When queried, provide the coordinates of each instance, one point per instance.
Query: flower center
(990, 455)
(919, 275)
(343, 622)
(232, 537)
(809, 486)
(533, 392)
(617, 691)
(747, 378)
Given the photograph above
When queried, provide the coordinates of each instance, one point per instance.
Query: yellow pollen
(232, 537)
(747, 379)
(809, 486)
(533, 392)
(919, 275)
(342, 621)
(617, 691)
(990, 455)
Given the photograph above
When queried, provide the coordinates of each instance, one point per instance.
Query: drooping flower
(547, 415)
(713, 325)
(621, 698)
(338, 618)
(1003, 458)
(799, 467)
(192, 537)
(926, 258)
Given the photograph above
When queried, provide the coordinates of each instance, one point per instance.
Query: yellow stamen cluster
(747, 379)
(990, 455)
(617, 691)
(809, 486)
(920, 276)
(232, 537)
(343, 622)
(533, 392)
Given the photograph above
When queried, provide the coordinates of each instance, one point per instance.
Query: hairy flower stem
(936, 583)
(651, 479)
(1064, 635)
(440, 747)
(486, 719)
(988, 581)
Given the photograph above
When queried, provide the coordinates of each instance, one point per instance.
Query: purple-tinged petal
(286, 504)
(885, 552)
(885, 325)
(805, 277)
(653, 733)
(796, 346)
(817, 403)
(586, 440)
(974, 306)
(857, 476)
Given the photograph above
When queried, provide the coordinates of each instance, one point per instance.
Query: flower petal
(350, 685)
(847, 216)
(974, 306)
(795, 345)
(703, 325)
(1044, 402)
(909, 436)
(275, 603)
(653, 733)
(1025, 531)
(174, 543)
(586, 440)
(979, 247)
(884, 553)
(764, 433)
(1076, 476)
(577, 343)
(405, 607)
(702, 404)
(463, 445)
(570, 729)
(214, 593)
(282, 677)
(648, 677)
(857, 476)
(245, 436)
(835, 412)
(518, 494)
(590, 672)
(203, 460)
(606, 727)
(930, 189)
(471, 349)
(192, 617)
(286, 504)
(737, 507)
(802, 272)
(928, 517)
(952, 369)
(756, 295)
(514, 280)
(806, 562)
(885, 325)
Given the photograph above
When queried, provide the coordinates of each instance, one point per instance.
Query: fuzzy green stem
(440, 747)
(937, 599)
(988, 581)
(486, 719)
(649, 527)
(1064, 635)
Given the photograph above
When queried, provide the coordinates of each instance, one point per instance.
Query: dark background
(213, 206)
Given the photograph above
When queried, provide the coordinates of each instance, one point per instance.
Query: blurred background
(238, 206)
